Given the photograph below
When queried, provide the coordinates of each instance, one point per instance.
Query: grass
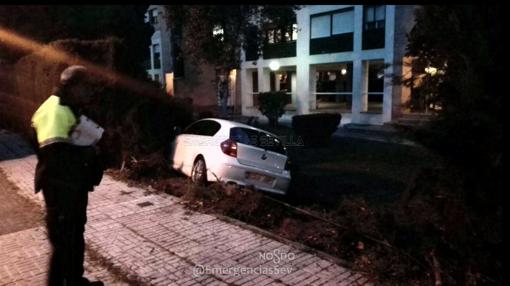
(376, 171)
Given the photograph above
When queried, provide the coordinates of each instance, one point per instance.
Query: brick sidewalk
(152, 239)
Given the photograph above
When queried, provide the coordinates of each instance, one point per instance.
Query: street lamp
(274, 65)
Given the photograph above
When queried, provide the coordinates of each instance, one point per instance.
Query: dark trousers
(66, 217)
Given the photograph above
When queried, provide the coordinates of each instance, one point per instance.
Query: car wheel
(199, 172)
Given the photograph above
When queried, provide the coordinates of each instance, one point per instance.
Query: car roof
(230, 124)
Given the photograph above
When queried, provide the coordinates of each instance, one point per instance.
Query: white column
(313, 88)
(302, 62)
(277, 81)
(293, 87)
(152, 61)
(389, 59)
(357, 89)
(264, 77)
(358, 28)
(357, 66)
(303, 88)
(364, 85)
(246, 90)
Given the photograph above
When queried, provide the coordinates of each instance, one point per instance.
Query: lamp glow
(274, 65)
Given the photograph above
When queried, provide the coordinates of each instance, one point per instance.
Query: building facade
(336, 58)
(160, 63)
(167, 65)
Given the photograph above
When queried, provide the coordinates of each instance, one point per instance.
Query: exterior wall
(161, 37)
(198, 83)
(305, 64)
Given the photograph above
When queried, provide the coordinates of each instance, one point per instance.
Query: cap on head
(72, 74)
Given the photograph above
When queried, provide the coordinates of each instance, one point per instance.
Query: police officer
(65, 173)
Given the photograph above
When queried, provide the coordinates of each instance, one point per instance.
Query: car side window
(209, 128)
(192, 129)
(204, 128)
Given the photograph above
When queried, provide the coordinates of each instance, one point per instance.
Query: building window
(255, 87)
(375, 87)
(280, 42)
(156, 52)
(374, 18)
(272, 81)
(255, 82)
(276, 36)
(285, 81)
(252, 43)
(321, 26)
(153, 16)
(333, 87)
(332, 32)
(342, 23)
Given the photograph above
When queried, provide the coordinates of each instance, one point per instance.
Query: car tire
(199, 172)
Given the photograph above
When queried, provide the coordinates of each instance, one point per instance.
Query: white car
(211, 150)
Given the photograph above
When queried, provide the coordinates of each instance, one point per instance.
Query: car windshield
(257, 139)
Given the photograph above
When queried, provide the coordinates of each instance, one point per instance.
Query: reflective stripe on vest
(53, 122)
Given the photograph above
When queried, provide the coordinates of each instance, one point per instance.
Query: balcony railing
(333, 44)
(279, 50)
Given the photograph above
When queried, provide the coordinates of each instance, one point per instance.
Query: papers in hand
(86, 133)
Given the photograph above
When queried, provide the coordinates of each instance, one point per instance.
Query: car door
(180, 148)
(259, 149)
(194, 140)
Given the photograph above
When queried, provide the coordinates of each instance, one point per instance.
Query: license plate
(259, 177)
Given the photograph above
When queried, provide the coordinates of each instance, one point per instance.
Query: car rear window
(257, 139)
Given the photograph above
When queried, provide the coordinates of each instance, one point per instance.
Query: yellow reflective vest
(53, 122)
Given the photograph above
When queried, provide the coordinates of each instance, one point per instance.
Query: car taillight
(229, 147)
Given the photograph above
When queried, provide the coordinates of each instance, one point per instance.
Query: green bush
(272, 104)
(315, 129)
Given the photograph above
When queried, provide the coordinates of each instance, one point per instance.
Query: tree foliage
(462, 42)
(223, 50)
(49, 23)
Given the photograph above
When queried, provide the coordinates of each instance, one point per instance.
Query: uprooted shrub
(136, 125)
(315, 129)
(429, 236)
